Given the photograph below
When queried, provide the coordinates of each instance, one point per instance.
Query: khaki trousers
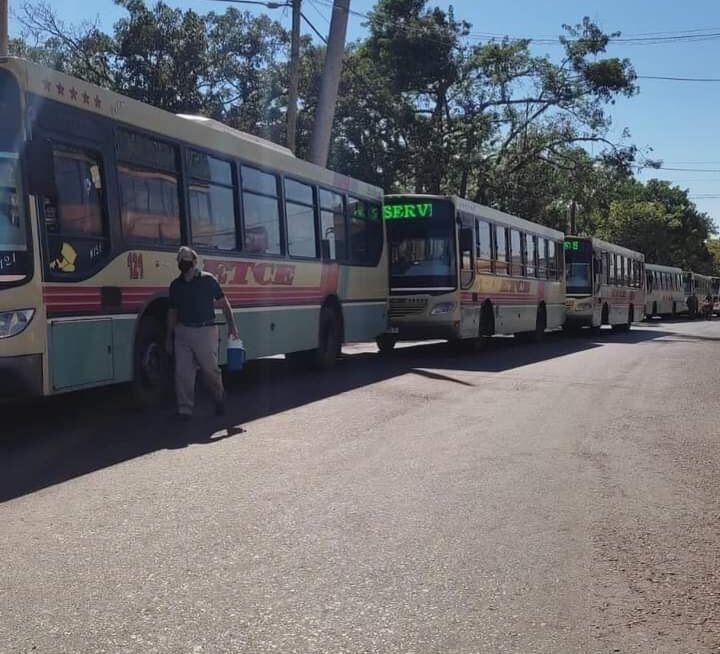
(196, 348)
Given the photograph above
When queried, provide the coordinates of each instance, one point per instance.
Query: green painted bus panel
(364, 322)
(80, 353)
(123, 348)
(265, 333)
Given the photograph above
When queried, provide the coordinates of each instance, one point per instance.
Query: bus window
(300, 214)
(332, 224)
(76, 221)
(552, 257)
(80, 194)
(149, 188)
(261, 212)
(530, 255)
(212, 202)
(483, 250)
(516, 258)
(366, 234)
(501, 256)
(542, 258)
(466, 245)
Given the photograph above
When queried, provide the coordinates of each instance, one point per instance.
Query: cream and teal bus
(664, 291)
(463, 272)
(605, 284)
(97, 191)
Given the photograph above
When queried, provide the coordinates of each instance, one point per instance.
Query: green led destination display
(408, 210)
(572, 245)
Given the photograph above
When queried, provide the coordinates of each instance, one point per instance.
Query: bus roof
(482, 211)
(658, 268)
(199, 131)
(610, 247)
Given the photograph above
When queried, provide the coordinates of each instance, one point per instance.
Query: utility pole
(4, 38)
(292, 109)
(320, 143)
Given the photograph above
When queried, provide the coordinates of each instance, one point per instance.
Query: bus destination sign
(573, 245)
(407, 210)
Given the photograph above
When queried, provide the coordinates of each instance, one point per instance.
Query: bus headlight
(442, 308)
(14, 322)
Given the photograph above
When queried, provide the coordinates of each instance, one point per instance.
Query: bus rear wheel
(152, 381)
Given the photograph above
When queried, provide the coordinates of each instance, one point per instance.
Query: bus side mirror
(40, 169)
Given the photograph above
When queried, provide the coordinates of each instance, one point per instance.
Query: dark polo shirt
(195, 300)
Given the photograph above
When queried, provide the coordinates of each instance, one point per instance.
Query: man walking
(194, 294)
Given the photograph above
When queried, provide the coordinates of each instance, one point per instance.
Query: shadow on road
(56, 439)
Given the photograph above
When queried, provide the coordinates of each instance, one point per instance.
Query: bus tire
(386, 343)
(152, 380)
(329, 342)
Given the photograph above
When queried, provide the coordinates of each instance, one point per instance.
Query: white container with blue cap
(235, 354)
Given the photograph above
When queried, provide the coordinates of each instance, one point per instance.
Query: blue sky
(678, 120)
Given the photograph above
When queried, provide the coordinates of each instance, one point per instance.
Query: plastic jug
(235, 354)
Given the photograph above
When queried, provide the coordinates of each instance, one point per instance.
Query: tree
(659, 220)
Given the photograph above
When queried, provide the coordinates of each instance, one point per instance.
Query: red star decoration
(98, 102)
(60, 89)
(73, 93)
(86, 98)
(47, 84)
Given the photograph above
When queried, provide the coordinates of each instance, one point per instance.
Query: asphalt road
(561, 497)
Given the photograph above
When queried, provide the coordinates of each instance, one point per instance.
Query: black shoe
(184, 417)
(220, 409)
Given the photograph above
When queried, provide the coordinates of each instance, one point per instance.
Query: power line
(680, 79)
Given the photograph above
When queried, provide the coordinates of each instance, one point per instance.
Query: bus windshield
(578, 266)
(15, 262)
(422, 243)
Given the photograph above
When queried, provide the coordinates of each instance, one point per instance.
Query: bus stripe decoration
(89, 298)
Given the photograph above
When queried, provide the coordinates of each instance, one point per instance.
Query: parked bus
(462, 272)
(97, 191)
(696, 287)
(665, 295)
(605, 284)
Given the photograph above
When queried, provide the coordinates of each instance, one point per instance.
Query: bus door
(470, 309)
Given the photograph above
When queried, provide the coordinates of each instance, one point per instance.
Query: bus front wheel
(152, 382)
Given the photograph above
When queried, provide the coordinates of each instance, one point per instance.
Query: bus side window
(501, 258)
(332, 224)
(366, 232)
(552, 257)
(466, 241)
(531, 252)
(149, 179)
(483, 249)
(516, 257)
(76, 219)
(541, 258)
(300, 216)
(261, 212)
(212, 201)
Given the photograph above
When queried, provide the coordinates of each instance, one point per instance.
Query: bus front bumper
(20, 376)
